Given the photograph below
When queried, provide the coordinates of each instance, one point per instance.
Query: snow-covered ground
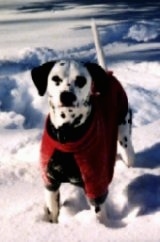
(32, 32)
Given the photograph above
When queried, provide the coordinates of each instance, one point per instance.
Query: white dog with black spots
(69, 86)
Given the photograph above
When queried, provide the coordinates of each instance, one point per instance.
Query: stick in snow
(99, 50)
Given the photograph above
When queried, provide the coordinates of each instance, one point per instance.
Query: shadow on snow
(143, 192)
(149, 158)
(148, 7)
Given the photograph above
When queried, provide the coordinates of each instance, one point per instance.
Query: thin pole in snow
(98, 46)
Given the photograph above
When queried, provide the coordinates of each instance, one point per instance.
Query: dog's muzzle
(67, 98)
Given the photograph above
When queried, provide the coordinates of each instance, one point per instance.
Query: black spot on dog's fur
(80, 81)
(62, 63)
(125, 139)
(130, 117)
(124, 142)
(77, 120)
(63, 115)
(57, 80)
(87, 102)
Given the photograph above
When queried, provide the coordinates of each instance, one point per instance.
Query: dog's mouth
(61, 106)
(76, 105)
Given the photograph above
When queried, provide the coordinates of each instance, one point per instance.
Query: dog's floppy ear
(99, 77)
(39, 76)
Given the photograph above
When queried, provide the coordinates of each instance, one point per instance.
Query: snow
(35, 32)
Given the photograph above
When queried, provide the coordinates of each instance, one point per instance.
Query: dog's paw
(102, 217)
(130, 160)
(49, 217)
(128, 156)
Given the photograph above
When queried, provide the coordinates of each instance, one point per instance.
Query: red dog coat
(95, 152)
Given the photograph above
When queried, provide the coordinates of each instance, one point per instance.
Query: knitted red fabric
(95, 152)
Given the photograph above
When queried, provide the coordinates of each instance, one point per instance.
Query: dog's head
(69, 85)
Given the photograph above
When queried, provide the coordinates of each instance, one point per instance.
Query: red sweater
(95, 152)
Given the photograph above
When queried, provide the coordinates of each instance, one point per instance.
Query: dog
(88, 113)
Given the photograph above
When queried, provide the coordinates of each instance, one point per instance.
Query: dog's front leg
(99, 212)
(52, 205)
(98, 208)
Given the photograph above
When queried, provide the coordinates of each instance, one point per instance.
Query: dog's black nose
(67, 98)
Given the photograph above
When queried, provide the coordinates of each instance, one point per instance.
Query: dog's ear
(39, 76)
(99, 77)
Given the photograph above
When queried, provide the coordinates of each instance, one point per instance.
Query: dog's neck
(68, 132)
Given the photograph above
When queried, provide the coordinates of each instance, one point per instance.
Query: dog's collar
(68, 133)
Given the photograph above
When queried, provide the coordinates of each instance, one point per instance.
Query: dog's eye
(80, 81)
(57, 80)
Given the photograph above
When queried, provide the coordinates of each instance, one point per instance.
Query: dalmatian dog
(88, 114)
(73, 88)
